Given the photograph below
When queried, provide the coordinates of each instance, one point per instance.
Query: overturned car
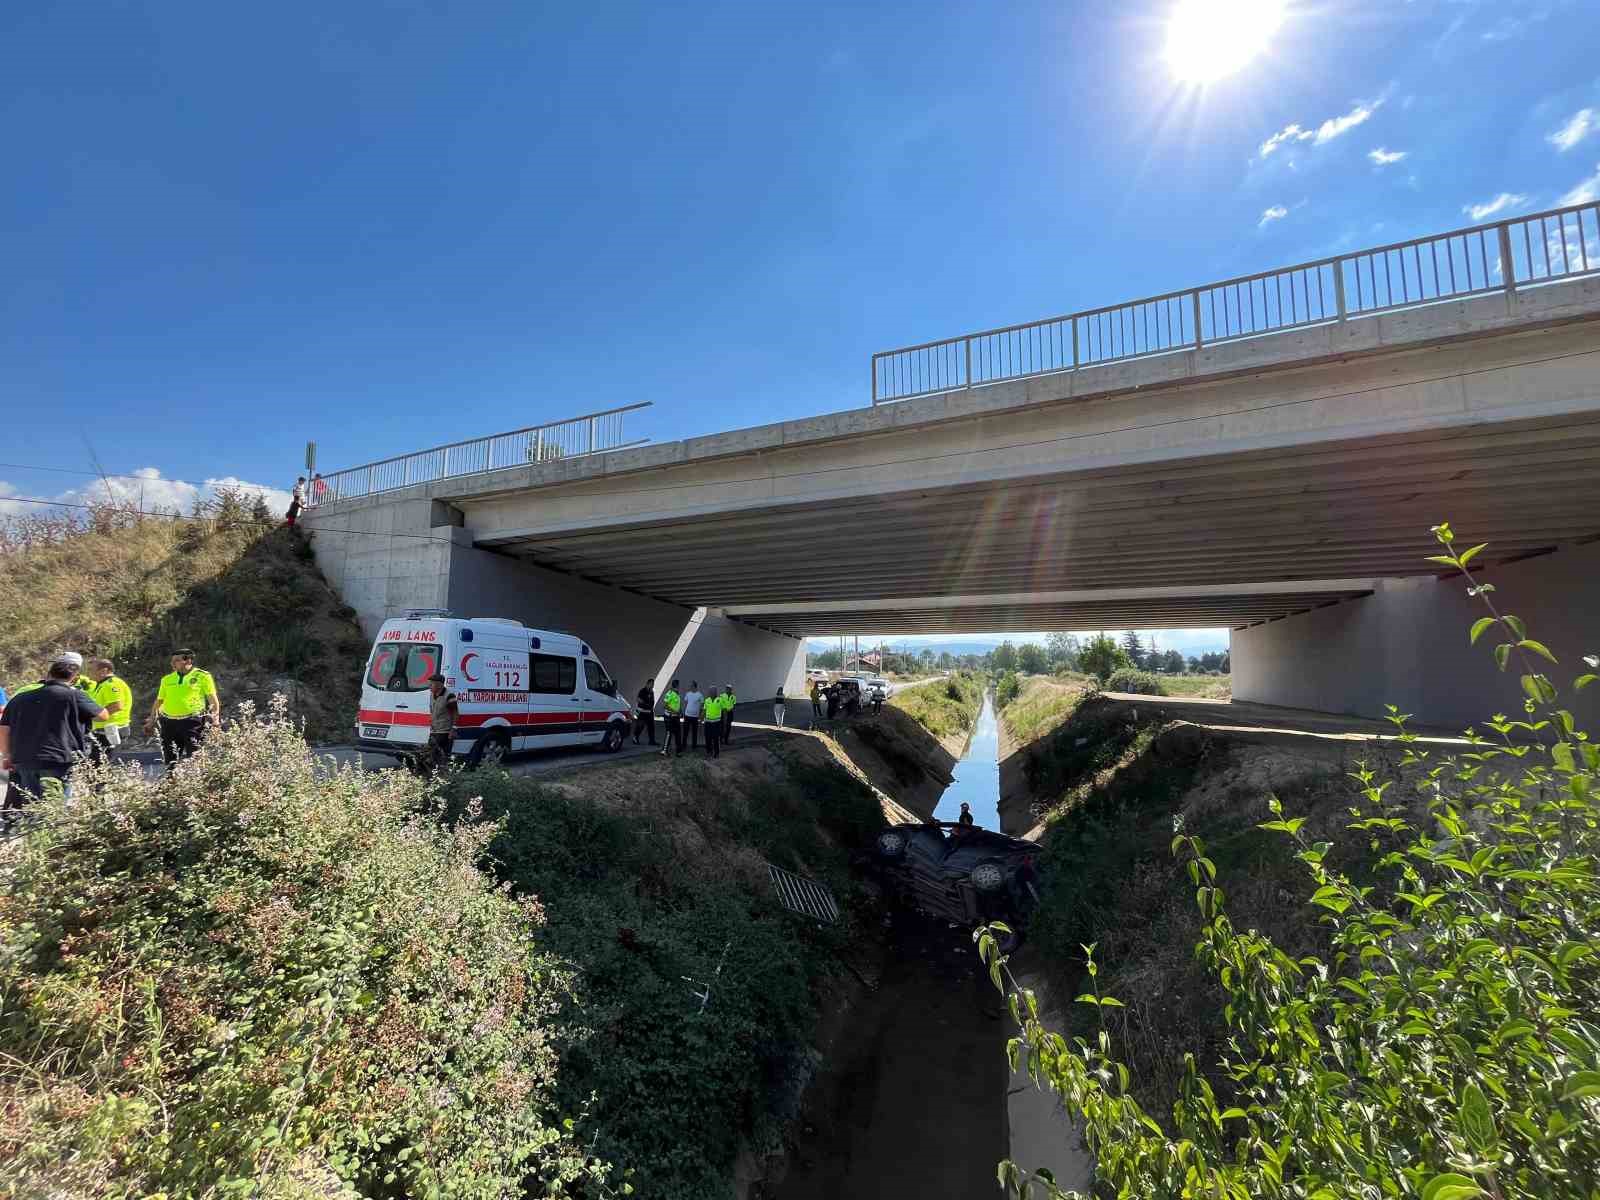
(964, 875)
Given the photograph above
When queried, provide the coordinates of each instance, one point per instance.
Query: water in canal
(977, 775)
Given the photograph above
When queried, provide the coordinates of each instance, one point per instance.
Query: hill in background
(229, 581)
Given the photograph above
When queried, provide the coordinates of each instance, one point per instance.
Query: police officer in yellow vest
(114, 695)
(728, 701)
(186, 706)
(673, 704)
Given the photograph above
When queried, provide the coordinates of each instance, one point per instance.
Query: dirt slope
(246, 597)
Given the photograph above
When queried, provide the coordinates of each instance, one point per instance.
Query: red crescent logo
(465, 669)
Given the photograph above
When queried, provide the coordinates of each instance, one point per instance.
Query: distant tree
(1063, 650)
(946, 661)
(1032, 659)
(827, 660)
(1003, 657)
(926, 657)
(1100, 656)
(1172, 661)
(1133, 648)
(1226, 665)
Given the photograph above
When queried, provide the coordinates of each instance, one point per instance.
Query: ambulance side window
(399, 667)
(595, 676)
(552, 674)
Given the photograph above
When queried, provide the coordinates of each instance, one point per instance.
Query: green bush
(641, 911)
(257, 977)
(1139, 682)
(1101, 656)
(943, 711)
(1006, 690)
(1448, 1045)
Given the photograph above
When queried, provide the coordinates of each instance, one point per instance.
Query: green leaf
(1584, 1083)
(1515, 625)
(1477, 1122)
(1444, 560)
(1451, 1187)
(1537, 647)
(1583, 681)
(1501, 653)
(1467, 556)
(1479, 626)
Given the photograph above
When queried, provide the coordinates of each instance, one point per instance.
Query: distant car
(969, 877)
(878, 686)
(816, 675)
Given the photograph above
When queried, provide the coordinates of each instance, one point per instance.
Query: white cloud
(1586, 192)
(1383, 157)
(1504, 202)
(1579, 126)
(149, 490)
(1289, 133)
(1334, 126)
(1276, 213)
(1294, 132)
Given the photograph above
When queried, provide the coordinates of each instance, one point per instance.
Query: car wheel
(891, 844)
(612, 742)
(489, 751)
(1010, 941)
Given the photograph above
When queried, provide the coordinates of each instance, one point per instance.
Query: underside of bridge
(1222, 540)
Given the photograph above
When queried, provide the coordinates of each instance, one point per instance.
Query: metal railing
(1540, 248)
(576, 437)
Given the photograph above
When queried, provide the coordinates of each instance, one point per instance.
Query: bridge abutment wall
(385, 558)
(1407, 645)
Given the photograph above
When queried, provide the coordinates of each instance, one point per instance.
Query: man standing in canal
(694, 703)
(713, 724)
(672, 706)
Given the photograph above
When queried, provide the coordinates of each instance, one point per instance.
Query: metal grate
(804, 896)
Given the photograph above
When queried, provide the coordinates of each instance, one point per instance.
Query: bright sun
(1207, 39)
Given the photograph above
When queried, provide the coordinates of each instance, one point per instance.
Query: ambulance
(517, 688)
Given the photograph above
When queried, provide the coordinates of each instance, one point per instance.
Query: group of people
(81, 712)
(305, 495)
(688, 715)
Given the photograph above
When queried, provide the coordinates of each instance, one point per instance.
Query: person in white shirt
(694, 703)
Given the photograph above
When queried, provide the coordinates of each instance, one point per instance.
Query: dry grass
(1043, 704)
(247, 598)
(947, 708)
(1204, 687)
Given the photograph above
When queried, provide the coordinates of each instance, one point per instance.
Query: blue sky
(227, 229)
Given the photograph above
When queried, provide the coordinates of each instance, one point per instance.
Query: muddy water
(912, 1099)
(977, 775)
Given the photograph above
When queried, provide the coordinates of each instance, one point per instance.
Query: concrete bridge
(1276, 474)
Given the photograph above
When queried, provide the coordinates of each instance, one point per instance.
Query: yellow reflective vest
(113, 690)
(185, 695)
(672, 702)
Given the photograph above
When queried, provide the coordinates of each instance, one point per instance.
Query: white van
(518, 688)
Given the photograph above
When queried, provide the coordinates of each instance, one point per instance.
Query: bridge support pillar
(1407, 645)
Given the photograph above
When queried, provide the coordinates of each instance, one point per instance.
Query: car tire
(615, 735)
(490, 750)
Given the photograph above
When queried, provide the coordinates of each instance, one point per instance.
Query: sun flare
(1208, 39)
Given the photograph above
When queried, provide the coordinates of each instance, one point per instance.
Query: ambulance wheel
(489, 751)
(616, 732)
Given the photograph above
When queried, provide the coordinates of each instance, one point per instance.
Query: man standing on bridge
(672, 704)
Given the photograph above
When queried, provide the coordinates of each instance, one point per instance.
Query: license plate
(375, 731)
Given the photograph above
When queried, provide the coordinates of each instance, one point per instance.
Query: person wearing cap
(442, 713)
(114, 695)
(964, 823)
(186, 707)
(44, 732)
(728, 701)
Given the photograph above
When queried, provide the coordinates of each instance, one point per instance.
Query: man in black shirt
(645, 717)
(45, 732)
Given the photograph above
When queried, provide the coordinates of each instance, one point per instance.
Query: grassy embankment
(1206, 687)
(1110, 788)
(259, 977)
(947, 708)
(246, 597)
